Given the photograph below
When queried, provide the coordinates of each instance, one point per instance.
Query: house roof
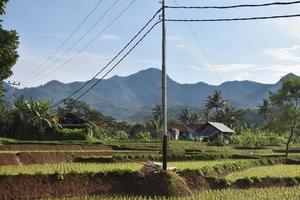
(183, 127)
(221, 127)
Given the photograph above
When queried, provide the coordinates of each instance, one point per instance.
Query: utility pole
(164, 86)
(13, 84)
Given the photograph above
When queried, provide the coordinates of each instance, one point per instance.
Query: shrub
(73, 134)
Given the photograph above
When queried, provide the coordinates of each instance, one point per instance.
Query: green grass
(278, 171)
(65, 168)
(277, 193)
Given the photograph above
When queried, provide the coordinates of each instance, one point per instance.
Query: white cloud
(286, 54)
(109, 37)
(289, 27)
(180, 46)
(243, 76)
(231, 67)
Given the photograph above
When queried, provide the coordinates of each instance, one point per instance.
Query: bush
(257, 139)
(73, 134)
(217, 141)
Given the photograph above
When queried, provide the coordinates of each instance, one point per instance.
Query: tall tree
(287, 111)
(264, 108)
(9, 42)
(214, 103)
(185, 116)
(157, 112)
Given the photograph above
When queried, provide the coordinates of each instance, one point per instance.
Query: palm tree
(214, 101)
(265, 108)
(185, 116)
(157, 112)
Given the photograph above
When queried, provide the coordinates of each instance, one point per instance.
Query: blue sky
(261, 51)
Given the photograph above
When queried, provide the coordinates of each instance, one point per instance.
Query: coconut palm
(213, 104)
(157, 112)
(265, 108)
(185, 116)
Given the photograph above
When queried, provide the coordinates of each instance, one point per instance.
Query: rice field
(277, 193)
(65, 168)
(267, 171)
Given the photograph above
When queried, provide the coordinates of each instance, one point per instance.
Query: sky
(216, 52)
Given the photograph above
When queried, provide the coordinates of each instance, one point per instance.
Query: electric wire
(89, 43)
(114, 58)
(136, 44)
(235, 19)
(75, 43)
(235, 6)
(199, 43)
(65, 41)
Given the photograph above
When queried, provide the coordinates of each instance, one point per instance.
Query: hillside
(131, 97)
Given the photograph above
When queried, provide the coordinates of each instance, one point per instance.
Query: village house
(212, 130)
(184, 132)
(199, 132)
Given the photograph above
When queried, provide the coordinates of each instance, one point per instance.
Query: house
(199, 132)
(214, 129)
(184, 131)
(71, 121)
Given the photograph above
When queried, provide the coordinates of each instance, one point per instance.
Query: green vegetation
(277, 193)
(8, 52)
(278, 171)
(66, 168)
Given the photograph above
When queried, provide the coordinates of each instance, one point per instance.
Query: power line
(77, 41)
(234, 19)
(235, 6)
(199, 44)
(114, 58)
(136, 44)
(90, 42)
(65, 41)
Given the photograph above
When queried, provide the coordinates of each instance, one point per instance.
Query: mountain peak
(290, 75)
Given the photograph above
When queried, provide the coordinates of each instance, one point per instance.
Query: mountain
(132, 97)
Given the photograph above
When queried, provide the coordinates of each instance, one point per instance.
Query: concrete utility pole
(13, 84)
(164, 87)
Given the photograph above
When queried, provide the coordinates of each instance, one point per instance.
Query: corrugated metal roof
(221, 127)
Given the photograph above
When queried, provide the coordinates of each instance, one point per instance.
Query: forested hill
(127, 98)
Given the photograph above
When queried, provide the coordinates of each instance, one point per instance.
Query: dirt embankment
(44, 186)
(27, 158)
(42, 154)
(53, 147)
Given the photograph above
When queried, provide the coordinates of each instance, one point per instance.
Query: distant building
(212, 130)
(199, 132)
(72, 121)
(184, 132)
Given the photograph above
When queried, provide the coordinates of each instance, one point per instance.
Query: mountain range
(132, 97)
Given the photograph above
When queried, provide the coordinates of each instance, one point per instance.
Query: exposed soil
(8, 159)
(27, 158)
(56, 154)
(44, 186)
(32, 147)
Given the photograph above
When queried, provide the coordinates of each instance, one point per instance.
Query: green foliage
(9, 41)
(28, 120)
(217, 141)
(73, 134)
(249, 138)
(286, 111)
